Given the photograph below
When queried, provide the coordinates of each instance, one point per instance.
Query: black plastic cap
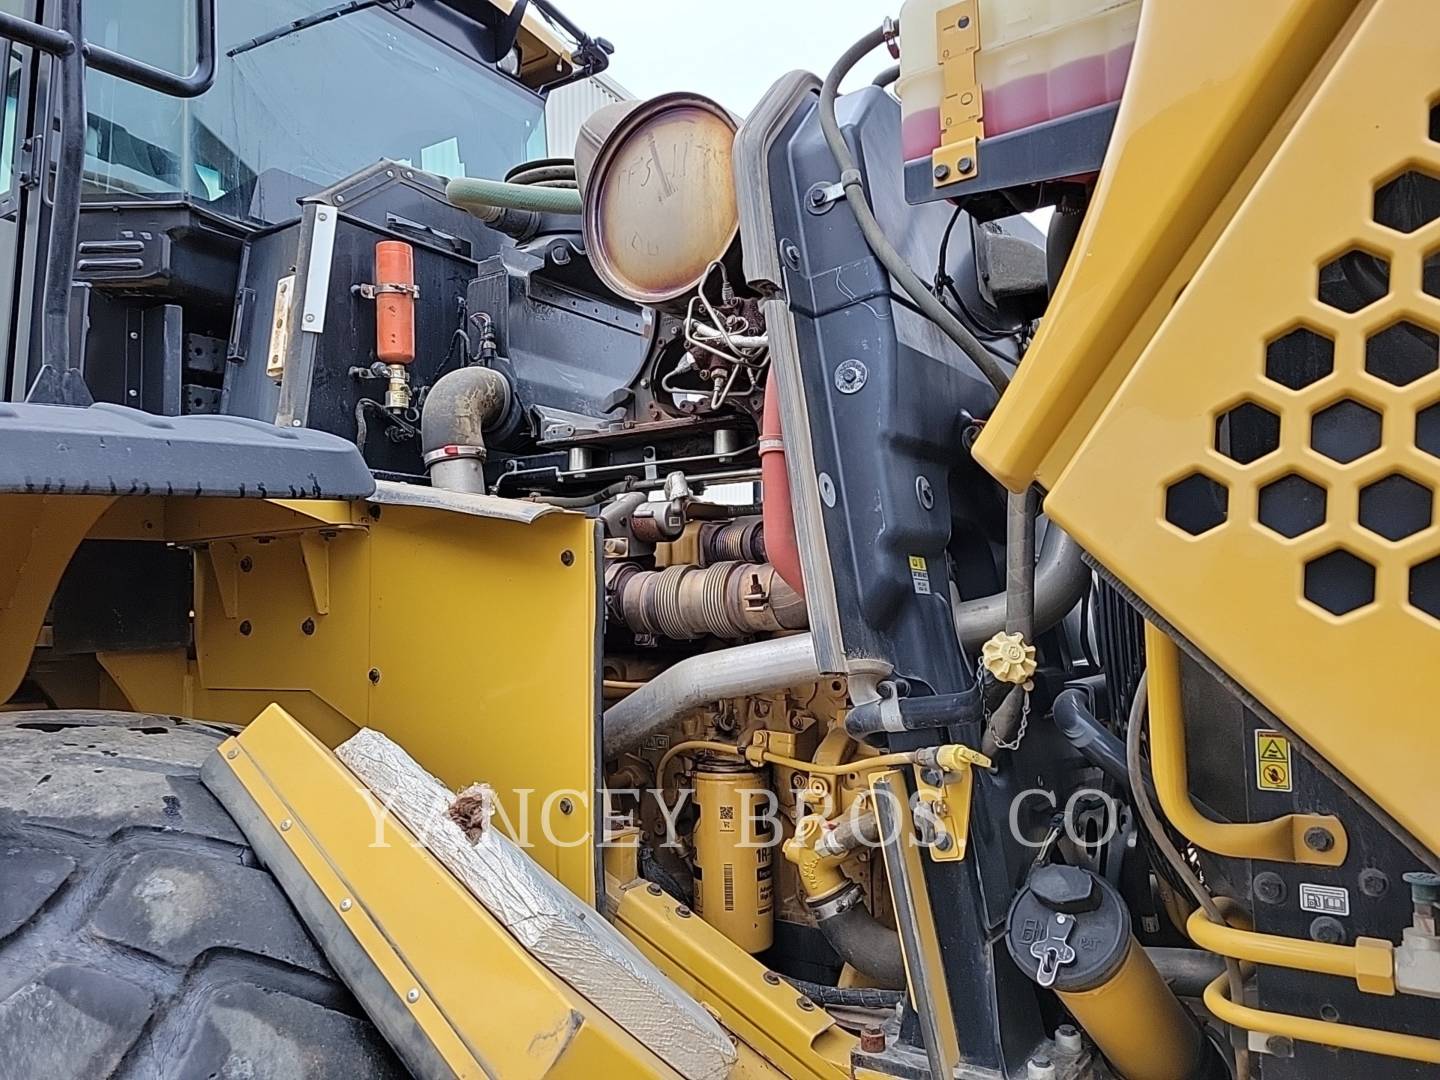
(1098, 930)
(1065, 888)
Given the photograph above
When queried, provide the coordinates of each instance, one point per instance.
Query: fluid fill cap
(1074, 917)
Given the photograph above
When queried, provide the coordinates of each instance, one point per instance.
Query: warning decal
(1272, 761)
(920, 574)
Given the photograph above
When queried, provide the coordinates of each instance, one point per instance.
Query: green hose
(484, 197)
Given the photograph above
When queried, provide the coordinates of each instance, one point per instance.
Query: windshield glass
(316, 105)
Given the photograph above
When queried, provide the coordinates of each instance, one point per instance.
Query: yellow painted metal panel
(471, 641)
(1206, 86)
(767, 1014)
(484, 634)
(1358, 681)
(487, 1006)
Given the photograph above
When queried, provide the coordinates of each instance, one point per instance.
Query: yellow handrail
(1341, 1036)
(1281, 839)
(1370, 961)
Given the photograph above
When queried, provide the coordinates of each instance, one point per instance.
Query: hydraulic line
(892, 260)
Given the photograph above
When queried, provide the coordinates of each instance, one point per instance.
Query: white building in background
(570, 106)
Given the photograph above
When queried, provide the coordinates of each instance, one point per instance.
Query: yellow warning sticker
(1272, 761)
(920, 575)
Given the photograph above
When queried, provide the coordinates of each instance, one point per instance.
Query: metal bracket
(315, 551)
(946, 804)
(225, 564)
(962, 121)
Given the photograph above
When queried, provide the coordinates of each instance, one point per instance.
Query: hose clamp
(452, 452)
(829, 906)
(890, 34)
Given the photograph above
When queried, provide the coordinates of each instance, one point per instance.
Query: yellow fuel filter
(734, 847)
(1069, 930)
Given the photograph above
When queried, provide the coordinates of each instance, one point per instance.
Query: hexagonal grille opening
(1354, 280)
(1427, 430)
(1402, 353)
(1247, 432)
(1425, 587)
(1345, 431)
(1339, 582)
(1395, 507)
(1430, 274)
(1292, 505)
(1299, 358)
(1197, 504)
(1408, 202)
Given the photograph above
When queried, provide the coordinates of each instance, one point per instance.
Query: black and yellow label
(920, 575)
(1272, 761)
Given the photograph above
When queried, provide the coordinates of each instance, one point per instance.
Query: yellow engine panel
(1305, 563)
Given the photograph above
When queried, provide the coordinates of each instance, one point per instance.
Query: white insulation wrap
(572, 940)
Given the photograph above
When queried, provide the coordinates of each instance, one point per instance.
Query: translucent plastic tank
(1038, 59)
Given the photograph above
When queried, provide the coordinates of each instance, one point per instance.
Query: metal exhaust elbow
(458, 409)
(1061, 579)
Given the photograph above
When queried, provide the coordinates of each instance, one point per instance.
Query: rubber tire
(138, 936)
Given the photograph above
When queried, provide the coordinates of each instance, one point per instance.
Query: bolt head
(286, 824)
(966, 164)
(1374, 882)
(231, 755)
(941, 172)
(872, 1040)
(346, 905)
(412, 995)
(1269, 888)
(1319, 839)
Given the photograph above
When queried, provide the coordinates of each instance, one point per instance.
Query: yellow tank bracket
(447, 985)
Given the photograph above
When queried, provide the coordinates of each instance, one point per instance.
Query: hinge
(32, 150)
(962, 120)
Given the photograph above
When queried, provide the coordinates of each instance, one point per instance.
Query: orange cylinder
(394, 308)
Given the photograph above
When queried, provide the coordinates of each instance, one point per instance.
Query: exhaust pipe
(760, 668)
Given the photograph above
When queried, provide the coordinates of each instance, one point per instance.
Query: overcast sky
(730, 50)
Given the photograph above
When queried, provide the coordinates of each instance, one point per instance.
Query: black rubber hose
(929, 305)
(1101, 747)
(918, 713)
(887, 76)
(1186, 971)
(867, 945)
(857, 997)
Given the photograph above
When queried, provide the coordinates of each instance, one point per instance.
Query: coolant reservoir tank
(1038, 59)
(659, 194)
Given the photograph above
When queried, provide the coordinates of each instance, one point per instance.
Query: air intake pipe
(759, 668)
(458, 409)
